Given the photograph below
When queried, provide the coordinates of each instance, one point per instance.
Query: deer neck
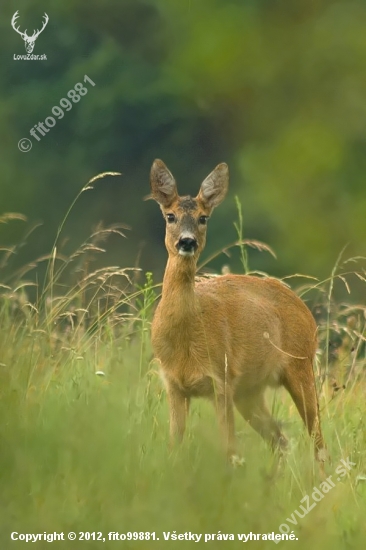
(177, 323)
(178, 293)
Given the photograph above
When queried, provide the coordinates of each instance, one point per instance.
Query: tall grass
(84, 420)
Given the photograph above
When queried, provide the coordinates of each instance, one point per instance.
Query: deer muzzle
(187, 246)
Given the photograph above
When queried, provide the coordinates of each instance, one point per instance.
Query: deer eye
(203, 220)
(171, 218)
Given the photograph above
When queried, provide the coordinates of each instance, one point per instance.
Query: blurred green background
(274, 88)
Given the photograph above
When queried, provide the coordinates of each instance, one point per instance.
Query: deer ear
(215, 186)
(162, 182)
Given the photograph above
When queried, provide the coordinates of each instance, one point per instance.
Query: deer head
(29, 40)
(186, 217)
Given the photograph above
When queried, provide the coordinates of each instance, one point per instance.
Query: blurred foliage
(274, 88)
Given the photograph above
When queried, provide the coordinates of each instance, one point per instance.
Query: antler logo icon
(28, 40)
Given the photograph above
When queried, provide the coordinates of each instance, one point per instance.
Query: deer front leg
(178, 410)
(225, 414)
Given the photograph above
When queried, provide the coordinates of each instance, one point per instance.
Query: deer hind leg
(178, 410)
(299, 382)
(225, 415)
(253, 408)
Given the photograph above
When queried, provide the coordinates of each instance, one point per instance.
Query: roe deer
(229, 337)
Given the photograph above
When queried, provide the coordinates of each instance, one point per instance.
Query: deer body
(227, 338)
(245, 310)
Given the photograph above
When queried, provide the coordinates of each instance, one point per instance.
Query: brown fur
(227, 338)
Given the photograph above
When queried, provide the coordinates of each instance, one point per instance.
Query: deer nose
(187, 244)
